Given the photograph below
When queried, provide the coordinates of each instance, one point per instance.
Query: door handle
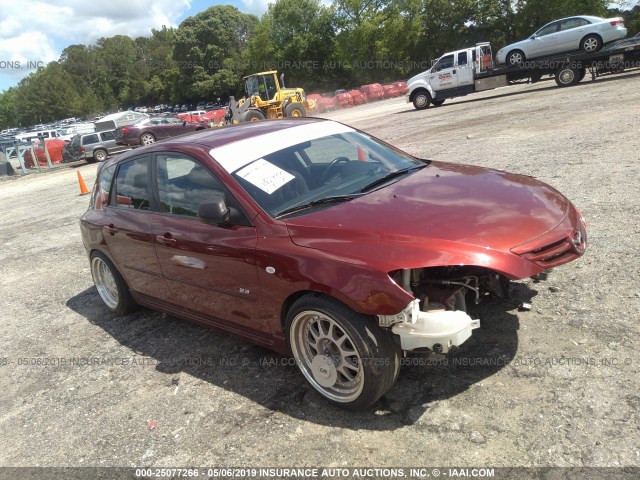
(166, 239)
(110, 229)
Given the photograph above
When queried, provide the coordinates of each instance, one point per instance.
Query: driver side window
(444, 63)
(325, 150)
(184, 184)
(551, 28)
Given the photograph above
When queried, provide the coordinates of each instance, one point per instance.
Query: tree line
(318, 47)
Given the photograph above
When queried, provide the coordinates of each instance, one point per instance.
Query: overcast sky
(35, 32)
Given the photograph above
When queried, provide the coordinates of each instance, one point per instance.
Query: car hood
(522, 43)
(438, 208)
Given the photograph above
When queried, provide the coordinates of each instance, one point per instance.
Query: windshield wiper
(390, 176)
(320, 201)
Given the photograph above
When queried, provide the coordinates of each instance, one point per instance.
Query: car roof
(221, 136)
(217, 137)
(587, 17)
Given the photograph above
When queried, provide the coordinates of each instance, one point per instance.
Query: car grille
(551, 252)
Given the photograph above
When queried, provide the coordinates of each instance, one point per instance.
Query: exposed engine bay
(438, 318)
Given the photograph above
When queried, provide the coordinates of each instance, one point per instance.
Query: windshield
(334, 167)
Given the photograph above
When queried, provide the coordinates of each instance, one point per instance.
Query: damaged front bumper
(438, 329)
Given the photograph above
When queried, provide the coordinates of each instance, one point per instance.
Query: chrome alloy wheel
(105, 282)
(327, 356)
(591, 44)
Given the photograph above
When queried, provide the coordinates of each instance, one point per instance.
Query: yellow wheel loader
(265, 97)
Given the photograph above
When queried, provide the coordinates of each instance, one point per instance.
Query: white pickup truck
(472, 69)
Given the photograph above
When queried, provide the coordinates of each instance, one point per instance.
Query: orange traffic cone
(83, 187)
(362, 155)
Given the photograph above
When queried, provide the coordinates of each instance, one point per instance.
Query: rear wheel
(421, 100)
(294, 110)
(345, 357)
(112, 288)
(567, 76)
(147, 139)
(583, 73)
(100, 155)
(591, 43)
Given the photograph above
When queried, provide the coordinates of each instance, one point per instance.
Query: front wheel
(515, 57)
(421, 100)
(294, 110)
(343, 355)
(252, 116)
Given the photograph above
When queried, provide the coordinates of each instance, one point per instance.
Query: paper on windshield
(265, 175)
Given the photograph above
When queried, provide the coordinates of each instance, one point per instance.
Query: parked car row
(343, 98)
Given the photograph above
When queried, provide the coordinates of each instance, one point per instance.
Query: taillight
(617, 21)
(82, 150)
(125, 131)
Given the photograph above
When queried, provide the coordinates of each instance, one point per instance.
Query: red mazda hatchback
(319, 241)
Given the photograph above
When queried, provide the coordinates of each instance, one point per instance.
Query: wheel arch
(592, 34)
(294, 297)
(106, 253)
(421, 88)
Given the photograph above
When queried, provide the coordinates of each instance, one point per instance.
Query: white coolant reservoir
(438, 330)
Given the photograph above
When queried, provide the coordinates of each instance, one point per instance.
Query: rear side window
(89, 139)
(107, 136)
(132, 185)
(462, 58)
(573, 23)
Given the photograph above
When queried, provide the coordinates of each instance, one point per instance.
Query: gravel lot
(554, 386)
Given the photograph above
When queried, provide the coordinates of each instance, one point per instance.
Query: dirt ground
(555, 386)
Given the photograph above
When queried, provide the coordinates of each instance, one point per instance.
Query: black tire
(515, 57)
(252, 116)
(100, 155)
(567, 76)
(112, 288)
(421, 99)
(147, 138)
(294, 110)
(591, 43)
(583, 73)
(437, 103)
(345, 356)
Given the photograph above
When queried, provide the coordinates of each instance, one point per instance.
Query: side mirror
(534, 36)
(214, 211)
(184, 123)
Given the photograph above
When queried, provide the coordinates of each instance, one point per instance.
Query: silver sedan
(565, 35)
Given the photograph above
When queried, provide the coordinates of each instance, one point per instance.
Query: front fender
(420, 84)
